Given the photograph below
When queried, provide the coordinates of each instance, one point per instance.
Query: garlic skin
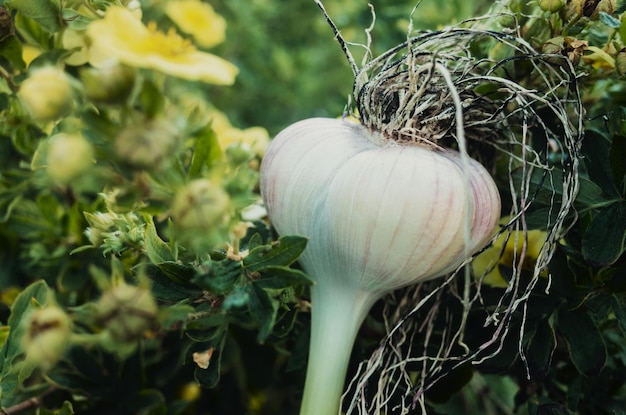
(379, 215)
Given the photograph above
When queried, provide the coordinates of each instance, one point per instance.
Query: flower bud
(109, 84)
(147, 145)
(200, 205)
(127, 312)
(620, 61)
(554, 46)
(573, 10)
(47, 94)
(551, 5)
(593, 8)
(69, 156)
(47, 336)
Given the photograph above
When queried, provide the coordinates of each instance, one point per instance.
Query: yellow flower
(199, 20)
(121, 36)
(499, 255)
(30, 53)
(255, 138)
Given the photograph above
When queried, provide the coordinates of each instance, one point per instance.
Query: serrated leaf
(263, 309)
(584, 341)
(221, 276)
(283, 252)
(179, 273)
(157, 249)
(164, 288)
(604, 239)
(277, 277)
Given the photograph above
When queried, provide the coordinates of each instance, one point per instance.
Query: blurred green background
(291, 66)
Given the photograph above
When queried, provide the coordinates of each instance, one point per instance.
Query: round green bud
(108, 84)
(620, 61)
(147, 145)
(551, 5)
(68, 157)
(47, 94)
(127, 312)
(201, 206)
(47, 336)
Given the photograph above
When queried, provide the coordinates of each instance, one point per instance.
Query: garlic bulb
(379, 215)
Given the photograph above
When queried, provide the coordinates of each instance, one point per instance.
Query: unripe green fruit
(108, 84)
(69, 156)
(127, 312)
(47, 94)
(147, 145)
(47, 336)
(200, 205)
(551, 5)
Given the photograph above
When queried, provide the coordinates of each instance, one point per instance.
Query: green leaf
(584, 341)
(75, 20)
(221, 277)
(44, 12)
(284, 322)
(29, 299)
(237, 298)
(545, 184)
(206, 152)
(11, 50)
(596, 147)
(174, 315)
(277, 277)
(157, 249)
(4, 334)
(618, 303)
(610, 21)
(165, 288)
(285, 251)
(210, 376)
(540, 349)
(604, 238)
(151, 99)
(263, 309)
(617, 160)
(179, 273)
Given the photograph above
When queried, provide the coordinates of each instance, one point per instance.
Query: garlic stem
(337, 314)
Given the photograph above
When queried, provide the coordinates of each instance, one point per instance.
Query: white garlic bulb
(379, 215)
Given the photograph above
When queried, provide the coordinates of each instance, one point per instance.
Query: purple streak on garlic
(379, 215)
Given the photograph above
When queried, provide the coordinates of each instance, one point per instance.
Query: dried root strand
(523, 108)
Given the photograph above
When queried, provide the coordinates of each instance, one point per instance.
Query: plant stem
(337, 314)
